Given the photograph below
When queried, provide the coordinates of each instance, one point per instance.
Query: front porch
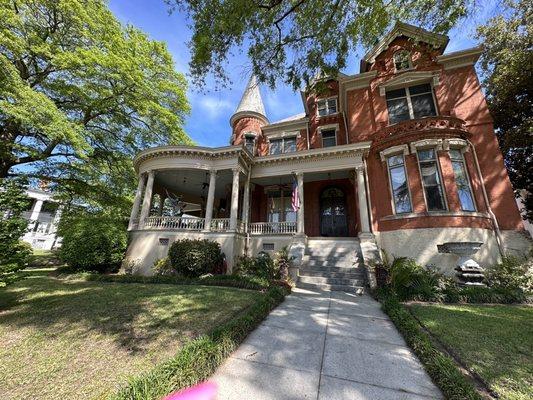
(247, 205)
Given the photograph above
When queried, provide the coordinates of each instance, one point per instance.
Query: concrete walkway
(325, 345)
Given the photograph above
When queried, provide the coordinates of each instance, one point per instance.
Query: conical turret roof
(251, 102)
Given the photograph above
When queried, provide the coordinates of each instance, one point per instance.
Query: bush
(262, 267)
(14, 254)
(410, 281)
(511, 274)
(282, 263)
(194, 258)
(92, 242)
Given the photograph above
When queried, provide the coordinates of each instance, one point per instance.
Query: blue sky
(208, 122)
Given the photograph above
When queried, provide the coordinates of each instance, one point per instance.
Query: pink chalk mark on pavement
(203, 391)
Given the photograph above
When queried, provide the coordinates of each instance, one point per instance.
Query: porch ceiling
(191, 182)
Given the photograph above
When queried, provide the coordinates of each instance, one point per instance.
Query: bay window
(410, 103)
(399, 184)
(431, 181)
(327, 106)
(283, 145)
(462, 181)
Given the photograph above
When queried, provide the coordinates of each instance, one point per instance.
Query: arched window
(402, 60)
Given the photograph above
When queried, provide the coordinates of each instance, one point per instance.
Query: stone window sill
(436, 214)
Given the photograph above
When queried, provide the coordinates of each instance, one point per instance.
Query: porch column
(147, 201)
(162, 198)
(210, 199)
(234, 200)
(35, 211)
(301, 222)
(136, 202)
(361, 197)
(246, 202)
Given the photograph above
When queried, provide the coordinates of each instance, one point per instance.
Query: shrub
(14, 254)
(163, 267)
(92, 242)
(262, 267)
(511, 274)
(410, 281)
(194, 258)
(282, 263)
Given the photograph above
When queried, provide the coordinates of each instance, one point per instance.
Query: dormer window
(402, 60)
(249, 142)
(410, 103)
(327, 106)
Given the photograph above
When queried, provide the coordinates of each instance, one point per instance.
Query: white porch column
(136, 202)
(147, 201)
(301, 221)
(246, 203)
(234, 200)
(210, 199)
(35, 211)
(361, 197)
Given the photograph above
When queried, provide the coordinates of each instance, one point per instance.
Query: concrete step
(320, 280)
(330, 269)
(343, 288)
(349, 273)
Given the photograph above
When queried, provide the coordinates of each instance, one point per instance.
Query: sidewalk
(325, 345)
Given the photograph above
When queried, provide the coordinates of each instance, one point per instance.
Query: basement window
(268, 246)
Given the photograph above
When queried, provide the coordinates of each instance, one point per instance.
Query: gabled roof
(251, 102)
(290, 119)
(411, 31)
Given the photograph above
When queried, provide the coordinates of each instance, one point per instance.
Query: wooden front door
(333, 219)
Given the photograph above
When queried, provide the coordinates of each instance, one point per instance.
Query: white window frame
(326, 100)
(410, 59)
(443, 187)
(385, 157)
(334, 129)
(410, 104)
(467, 174)
(282, 139)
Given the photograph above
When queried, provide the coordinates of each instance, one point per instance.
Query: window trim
(282, 139)
(385, 157)
(410, 67)
(462, 150)
(335, 129)
(443, 186)
(253, 136)
(326, 99)
(410, 104)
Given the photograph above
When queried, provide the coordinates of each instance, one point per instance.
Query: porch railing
(272, 227)
(219, 224)
(182, 223)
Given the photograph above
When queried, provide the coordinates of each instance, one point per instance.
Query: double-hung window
(329, 138)
(429, 169)
(399, 184)
(249, 142)
(327, 106)
(410, 103)
(283, 145)
(280, 206)
(461, 180)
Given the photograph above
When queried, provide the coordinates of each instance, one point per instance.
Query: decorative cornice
(322, 153)
(460, 58)
(425, 143)
(403, 29)
(408, 78)
(402, 148)
(357, 81)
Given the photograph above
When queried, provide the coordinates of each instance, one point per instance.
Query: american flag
(295, 197)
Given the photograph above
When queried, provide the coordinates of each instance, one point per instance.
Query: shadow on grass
(133, 315)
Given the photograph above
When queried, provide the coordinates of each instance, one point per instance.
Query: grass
(494, 341)
(82, 339)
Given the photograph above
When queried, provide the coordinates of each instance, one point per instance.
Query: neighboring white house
(43, 218)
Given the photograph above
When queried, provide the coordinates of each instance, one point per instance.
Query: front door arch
(333, 218)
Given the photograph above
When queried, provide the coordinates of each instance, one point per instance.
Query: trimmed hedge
(442, 369)
(212, 280)
(194, 258)
(198, 359)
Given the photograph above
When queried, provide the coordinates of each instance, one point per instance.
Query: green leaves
(293, 41)
(80, 94)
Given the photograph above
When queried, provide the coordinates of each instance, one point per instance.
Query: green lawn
(72, 339)
(495, 341)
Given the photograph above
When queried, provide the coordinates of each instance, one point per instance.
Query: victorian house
(394, 160)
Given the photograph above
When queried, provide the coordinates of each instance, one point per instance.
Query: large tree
(507, 64)
(293, 40)
(80, 94)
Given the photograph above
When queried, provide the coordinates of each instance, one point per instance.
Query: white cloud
(213, 107)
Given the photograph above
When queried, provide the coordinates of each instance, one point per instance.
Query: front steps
(332, 264)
